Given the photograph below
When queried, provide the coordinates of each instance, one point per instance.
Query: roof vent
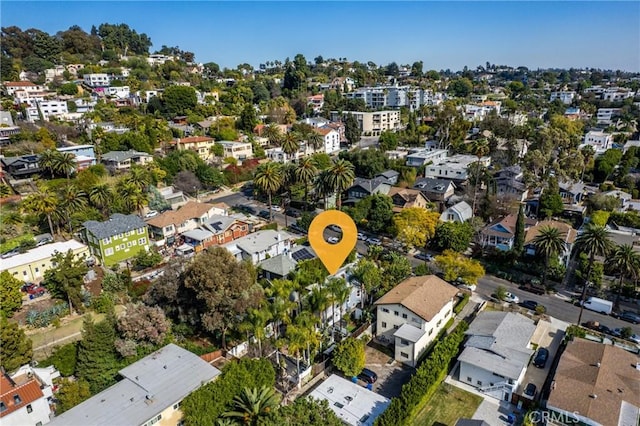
(149, 397)
(598, 364)
(593, 395)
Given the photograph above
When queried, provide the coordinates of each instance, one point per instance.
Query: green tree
(248, 119)
(415, 226)
(349, 356)
(269, 178)
(179, 100)
(549, 243)
(71, 393)
(460, 87)
(501, 292)
(290, 144)
(454, 236)
(388, 140)
(41, 203)
(550, 201)
(303, 411)
(480, 148)
(369, 276)
(65, 280)
(626, 262)
(10, 295)
(594, 241)
(147, 259)
(101, 197)
(253, 403)
(305, 172)
(255, 323)
(16, 349)
(98, 362)
(518, 241)
(352, 129)
(455, 265)
(64, 359)
(223, 289)
(340, 177)
(600, 217)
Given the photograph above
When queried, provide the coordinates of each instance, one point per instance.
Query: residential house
(599, 140)
(480, 111)
(281, 265)
(624, 198)
(331, 139)
(7, 127)
(509, 184)
(371, 123)
(362, 188)
(396, 154)
(278, 155)
(13, 86)
(26, 396)
(627, 144)
(565, 96)
(438, 191)
(200, 144)
(413, 313)
(85, 155)
(455, 167)
(497, 352)
(260, 245)
(353, 405)
(238, 150)
(404, 198)
(501, 233)
(118, 161)
(176, 199)
(119, 92)
(617, 94)
(605, 116)
(459, 212)
(595, 384)
(21, 167)
(419, 157)
(316, 102)
(569, 236)
(31, 265)
(390, 175)
(338, 127)
(97, 80)
(571, 192)
(149, 393)
(171, 223)
(118, 239)
(44, 110)
(216, 230)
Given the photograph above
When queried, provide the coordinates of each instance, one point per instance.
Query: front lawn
(447, 405)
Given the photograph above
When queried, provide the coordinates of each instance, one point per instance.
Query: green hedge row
(425, 381)
(461, 304)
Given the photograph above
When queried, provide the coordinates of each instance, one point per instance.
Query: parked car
(368, 376)
(533, 288)
(152, 213)
(296, 228)
(630, 316)
(247, 209)
(276, 208)
(424, 256)
(335, 228)
(529, 304)
(10, 253)
(541, 358)
(470, 287)
(264, 214)
(530, 390)
(361, 236)
(36, 291)
(374, 241)
(635, 338)
(292, 213)
(511, 298)
(333, 240)
(595, 325)
(26, 287)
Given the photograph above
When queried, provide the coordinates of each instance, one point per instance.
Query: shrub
(103, 303)
(461, 304)
(64, 359)
(44, 318)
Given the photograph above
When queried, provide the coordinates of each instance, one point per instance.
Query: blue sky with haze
(442, 34)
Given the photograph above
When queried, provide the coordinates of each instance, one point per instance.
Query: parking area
(391, 373)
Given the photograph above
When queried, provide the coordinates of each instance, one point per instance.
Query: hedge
(461, 304)
(423, 384)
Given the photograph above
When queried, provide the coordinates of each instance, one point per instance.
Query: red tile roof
(20, 84)
(323, 131)
(28, 393)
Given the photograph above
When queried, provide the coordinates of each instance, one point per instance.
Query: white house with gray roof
(260, 245)
(497, 353)
(150, 392)
(460, 212)
(123, 160)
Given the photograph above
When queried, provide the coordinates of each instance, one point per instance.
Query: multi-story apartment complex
(46, 109)
(238, 150)
(371, 123)
(118, 239)
(97, 80)
(200, 144)
(395, 96)
(566, 97)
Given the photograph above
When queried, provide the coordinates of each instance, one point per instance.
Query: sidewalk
(466, 312)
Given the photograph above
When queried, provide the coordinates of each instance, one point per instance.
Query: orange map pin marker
(333, 255)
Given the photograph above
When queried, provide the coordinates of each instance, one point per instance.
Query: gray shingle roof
(117, 224)
(409, 332)
(370, 185)
(119, 156)
(280, 265)
(432, 185)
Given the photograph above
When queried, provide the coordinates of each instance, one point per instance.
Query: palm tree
(319, 301)
(252, 404)
(273, 134)
(307, 322)
(626, 261)
(479, 147)
(594, 241)
(133, 198)
(304, 173)
(269, 179)
(5, 190)
(64, 163)
(315, 139)
(139, 177)
(341, 176)
(290, 144)
(73, 199)
(255, 322)
(41, 203)
(47, 160)
(101, 197)
(297, 342)
(549, 242)
(322, 186)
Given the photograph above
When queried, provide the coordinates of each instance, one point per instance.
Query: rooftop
(27, 392)
(567, 230)
(353, 404)
(150, 385)
(119, 156)
(424, 295)
(40, 253)
(117, 224)
(191, 210)
(259, 241)
(280, 265)
(601, 382)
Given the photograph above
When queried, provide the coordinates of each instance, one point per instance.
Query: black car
(632, 317)
(292, 213)
(529, 304)
(541, 358)
(368, 376)
(530, 390)
(264, 214)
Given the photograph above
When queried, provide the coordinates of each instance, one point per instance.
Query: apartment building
(97, 80)
(238, 150)
(371, 123)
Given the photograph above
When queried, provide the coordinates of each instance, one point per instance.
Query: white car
(374, 241)
(333, 240)
(635, 338)
(511, 298)
(362, 237)
(276, 208)
(152, 213)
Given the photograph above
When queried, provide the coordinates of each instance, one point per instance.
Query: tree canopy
(415, 226)
(348, 356)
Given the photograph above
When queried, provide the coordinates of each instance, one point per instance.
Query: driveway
(391, 373)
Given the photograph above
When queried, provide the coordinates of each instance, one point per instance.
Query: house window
(176, 406)
(29, 408)
(439, 322)
(479, 382)
(17, 399)
(404, 342)
(3, 407)
(117, 248)
(385, 310)
(140, 231)
(404, 355)
(430, 332)
(129, 244)
(106, 240)
(469, 379)
(39, 424)
(396, 313)
(396, 327)
(142, 241)
(384, 324)
(120, 235)
(108, 252)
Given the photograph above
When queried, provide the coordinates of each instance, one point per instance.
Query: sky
(444, 35)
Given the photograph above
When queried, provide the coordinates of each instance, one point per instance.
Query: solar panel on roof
(302, 254)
